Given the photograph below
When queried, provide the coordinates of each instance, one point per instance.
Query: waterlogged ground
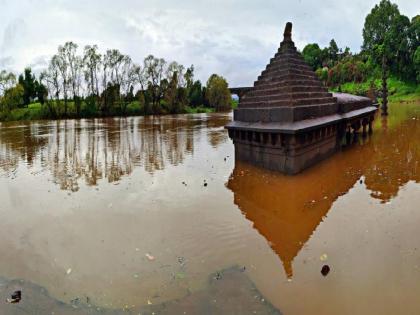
(143, 215)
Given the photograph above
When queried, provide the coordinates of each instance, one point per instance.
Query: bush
(134, 109)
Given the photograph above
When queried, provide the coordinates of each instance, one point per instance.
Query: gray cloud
(234, 38)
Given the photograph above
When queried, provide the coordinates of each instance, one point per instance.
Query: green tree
(28, 82)
(381, 41)
(322, 73)
(333, 51)
(217, 93)
(7, 80)
(312, 55)
(414, 33)
(41, 92)
(416, 62)
(12, 98)
(174, 95)
(196, 97)
(189, 77)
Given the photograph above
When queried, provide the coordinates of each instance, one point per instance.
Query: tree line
(391, 47)
(95, 84)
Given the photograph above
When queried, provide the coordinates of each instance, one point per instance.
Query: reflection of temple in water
(91, 150)
(287, 211)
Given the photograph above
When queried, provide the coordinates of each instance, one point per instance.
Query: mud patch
(228, 292)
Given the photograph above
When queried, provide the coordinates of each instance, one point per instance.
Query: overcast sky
(234, 38)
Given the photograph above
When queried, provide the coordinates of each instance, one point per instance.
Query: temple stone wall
(288, 121)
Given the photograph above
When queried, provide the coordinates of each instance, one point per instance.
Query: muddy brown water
(113, 216)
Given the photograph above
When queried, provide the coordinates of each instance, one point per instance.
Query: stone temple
(288, 121)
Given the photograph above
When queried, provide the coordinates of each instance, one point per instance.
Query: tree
(312, 55)
(154, 69)
(7, 80)
(73, 65)
(12, 98)
(27, 81)
(69, 50)
(380, 39)
(41, 91)
(171, 94)
(333, 51)
(414, 33)
(196, 94)
(128, 80)
(416, 61)
(176, 68)
(141, 80)
(50, 78)
(60, 62)
(217, 93)
(92, 64)
(189, 77)
(128, 75)
(114, 60)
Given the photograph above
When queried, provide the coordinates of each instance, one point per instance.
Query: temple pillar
(356, 127)
(348, 136)
(364, 125)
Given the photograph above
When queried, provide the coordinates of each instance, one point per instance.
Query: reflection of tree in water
(12, 140)
(216, 137)
(396, 160)
(102, 148)
(287, 210)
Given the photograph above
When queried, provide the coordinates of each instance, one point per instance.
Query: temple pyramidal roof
(289, 91)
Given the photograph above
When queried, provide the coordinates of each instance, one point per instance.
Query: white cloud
(234, 38)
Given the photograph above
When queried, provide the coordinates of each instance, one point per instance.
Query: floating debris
(323, 257)
(15, 298)
(68, 271)
(325, 270)
(181, 260)
(150, 257)
(75, 302)
(180, 275)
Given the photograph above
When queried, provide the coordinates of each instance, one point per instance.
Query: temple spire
(288, 32)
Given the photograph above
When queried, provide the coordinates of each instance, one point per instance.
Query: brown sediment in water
(96, 196)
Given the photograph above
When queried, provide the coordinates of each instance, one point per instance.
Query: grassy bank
(398, 90)
(37, 111)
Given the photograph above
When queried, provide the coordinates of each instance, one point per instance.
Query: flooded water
(131, 215)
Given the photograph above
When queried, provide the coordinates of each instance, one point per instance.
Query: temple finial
(288, 32)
